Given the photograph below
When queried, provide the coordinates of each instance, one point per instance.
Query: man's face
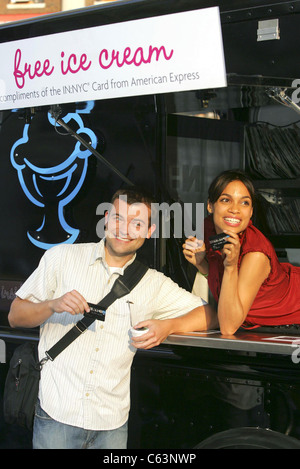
(127, 227)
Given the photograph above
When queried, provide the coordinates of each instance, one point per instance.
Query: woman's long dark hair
(222, 180)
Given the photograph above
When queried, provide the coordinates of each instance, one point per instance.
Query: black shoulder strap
(122, 286)
(124, 283)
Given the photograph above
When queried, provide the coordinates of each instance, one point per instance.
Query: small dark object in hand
(217, 242)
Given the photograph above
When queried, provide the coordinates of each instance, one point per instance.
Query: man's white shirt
(88, 384)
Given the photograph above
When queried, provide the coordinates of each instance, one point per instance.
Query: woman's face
(233, 209)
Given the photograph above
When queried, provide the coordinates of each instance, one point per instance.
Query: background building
(14, 10)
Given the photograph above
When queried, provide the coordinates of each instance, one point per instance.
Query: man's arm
(199, 319)
(25, 313)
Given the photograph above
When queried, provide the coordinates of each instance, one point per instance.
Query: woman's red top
(278, 299)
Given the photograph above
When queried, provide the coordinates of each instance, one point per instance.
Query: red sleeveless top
(278, 299)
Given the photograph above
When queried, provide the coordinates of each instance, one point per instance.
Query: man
(84, 393)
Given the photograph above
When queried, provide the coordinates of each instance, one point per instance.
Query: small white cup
(138, 332)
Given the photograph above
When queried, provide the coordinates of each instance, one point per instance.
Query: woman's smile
(232, 221)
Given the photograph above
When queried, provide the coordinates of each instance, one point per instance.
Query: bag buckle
(42, 362)
(81, 327)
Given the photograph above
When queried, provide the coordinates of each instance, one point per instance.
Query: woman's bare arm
(239, 288)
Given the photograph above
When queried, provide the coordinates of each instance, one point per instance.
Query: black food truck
(171, 129)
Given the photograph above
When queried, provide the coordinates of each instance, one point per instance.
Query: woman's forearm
(230, 310)
(203, 267)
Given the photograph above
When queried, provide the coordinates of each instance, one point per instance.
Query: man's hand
(158, 332)
(24, 313)
(71, 302)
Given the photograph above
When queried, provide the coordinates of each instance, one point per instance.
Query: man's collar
(99, 254)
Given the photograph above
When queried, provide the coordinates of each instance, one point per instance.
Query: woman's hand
(231, 250)
(194, 251)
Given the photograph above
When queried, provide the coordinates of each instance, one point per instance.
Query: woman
(245, 277)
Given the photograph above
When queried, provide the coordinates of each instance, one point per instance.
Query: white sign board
(177, 52)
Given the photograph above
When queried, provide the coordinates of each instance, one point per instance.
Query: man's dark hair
(134, 195)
